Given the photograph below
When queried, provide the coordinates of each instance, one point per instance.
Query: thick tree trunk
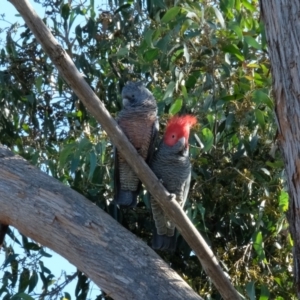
(45, 210)
(282, 24)
(69, 72)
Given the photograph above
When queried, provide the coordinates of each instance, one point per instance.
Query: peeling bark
(282, 24)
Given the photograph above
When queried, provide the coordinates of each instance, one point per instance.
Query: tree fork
(72, 76)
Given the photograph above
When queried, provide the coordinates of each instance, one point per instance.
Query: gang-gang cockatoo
(138, 120)
(171, 165)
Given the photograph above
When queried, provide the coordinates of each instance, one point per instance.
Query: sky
(56, 263)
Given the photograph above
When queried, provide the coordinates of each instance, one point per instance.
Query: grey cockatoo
(138, 120)
(171, 165)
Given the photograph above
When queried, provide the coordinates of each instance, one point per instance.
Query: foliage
(203, 57)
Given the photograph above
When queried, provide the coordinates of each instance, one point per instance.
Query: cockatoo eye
(173, 136)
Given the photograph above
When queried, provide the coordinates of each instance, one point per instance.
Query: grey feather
(138, 120)
(172, 166)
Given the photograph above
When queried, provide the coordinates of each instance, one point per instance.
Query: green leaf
(187, 24)
(79, 114)
(184, 92)
(250, 288)
(21, 296)
(30, 99)
(264, 293)
(14, 271)
(169, 90)
(102, 147)
(176, 107)
(11, 257)
(151, 55)
(148, 37)
(24, 280)
(260, 118)
(82, 285)
(233, 49)
(67, 296)
(64, 154)
(11, 46)
(32, 246)
(93, 164)
(25, 127)
(122, 7)
(74, 163)
(237, 29)
(192, 79)
(8, 297)
(219, 17)
(260, 97)
(33, 280)
(91, 28)
(122, 52)
(170, 14)
(43, 253)
(85, 144)
(186, 53)
(233, 97)
(277, 164)
(163, 43)
(43, 268)
(65, 11)
(258, 245)
(227, 5)
(38, 83)
(78, 33)
(284, 201)
(207, 139)
(252, 42)
(44, 279)
(278, 280)
(2, 55)
(249, 6)
(72, 18)
(60, 85)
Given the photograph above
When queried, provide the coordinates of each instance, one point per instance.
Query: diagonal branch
(72, 76)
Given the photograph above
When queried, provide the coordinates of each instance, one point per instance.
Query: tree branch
(58, 217)
(72, 76)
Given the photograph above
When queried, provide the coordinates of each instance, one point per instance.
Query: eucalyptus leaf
(176, 107)
(170, 14)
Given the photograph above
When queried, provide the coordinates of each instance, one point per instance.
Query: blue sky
(56, 264)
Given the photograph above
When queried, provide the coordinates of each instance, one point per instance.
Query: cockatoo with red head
(171, 165)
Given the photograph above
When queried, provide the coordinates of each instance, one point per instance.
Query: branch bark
(72, 76)
(58, 217)
(281, 20)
